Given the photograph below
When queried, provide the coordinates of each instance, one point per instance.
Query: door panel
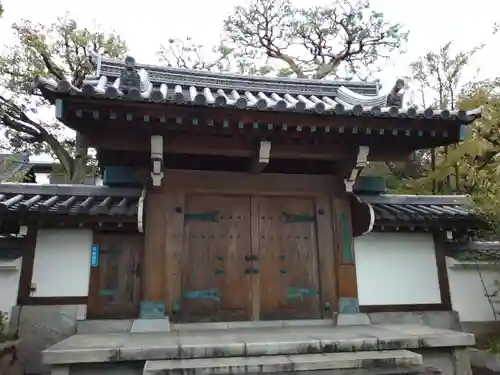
(115, 282)
(289, 287)
(216, 246)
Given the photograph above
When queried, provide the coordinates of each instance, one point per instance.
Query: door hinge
(294, 292)
(209, 294)
(202, 216)
(293, 218)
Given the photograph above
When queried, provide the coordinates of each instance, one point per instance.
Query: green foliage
(441, 72)
(3, 325)
(493, 346)
(473, 163)
(469, 167)
(436, 79)
(57, 51)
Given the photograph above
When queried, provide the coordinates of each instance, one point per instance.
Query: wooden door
(114, 290)
(289, 286)
(216, 250)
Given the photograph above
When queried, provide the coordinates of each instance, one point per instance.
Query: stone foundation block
(352, 319)
(435, 319)
(150, 325)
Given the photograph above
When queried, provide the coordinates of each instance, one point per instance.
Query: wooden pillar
(327, 263)
(153, 273)
(442, 269)
(174, 236)
(347, 286)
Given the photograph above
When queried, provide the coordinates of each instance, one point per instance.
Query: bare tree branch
(57, 51)
(347, 34)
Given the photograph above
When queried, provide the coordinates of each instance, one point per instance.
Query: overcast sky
(146, 24)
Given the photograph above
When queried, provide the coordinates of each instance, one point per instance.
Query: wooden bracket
(157, 159)
(361, 161)
(262, 158)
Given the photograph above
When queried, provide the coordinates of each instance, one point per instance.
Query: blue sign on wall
(94, 255)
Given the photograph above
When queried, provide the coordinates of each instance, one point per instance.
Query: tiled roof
(10, 248)
(68, 199)
(443, 212)
(7, 254)
(126, 80)
(475, 251)
(14, 166)
(438, 211)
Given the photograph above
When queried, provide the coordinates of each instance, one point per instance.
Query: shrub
(3, 325)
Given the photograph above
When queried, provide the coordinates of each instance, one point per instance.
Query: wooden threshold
(403, 308)
(52, 301)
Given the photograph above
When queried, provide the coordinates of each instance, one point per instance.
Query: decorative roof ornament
(130, 79)
(95, 59)
(126, 79)
(350, 98)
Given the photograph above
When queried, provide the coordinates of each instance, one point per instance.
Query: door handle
(251, 270)
(250, 257)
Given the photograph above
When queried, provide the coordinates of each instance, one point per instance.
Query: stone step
(404, 361)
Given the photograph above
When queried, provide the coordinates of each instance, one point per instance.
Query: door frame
(327, 191)
(94, 307)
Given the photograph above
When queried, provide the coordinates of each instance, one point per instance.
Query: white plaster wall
(396, 269)
(62, 263)
(468, 295)
(10, 271)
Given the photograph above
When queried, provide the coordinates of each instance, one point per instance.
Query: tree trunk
(79, 171)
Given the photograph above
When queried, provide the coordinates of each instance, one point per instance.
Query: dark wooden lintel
(206, 145)
(403, 308)
(52, 301)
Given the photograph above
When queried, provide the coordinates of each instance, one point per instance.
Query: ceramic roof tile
(421, 210)
(390, 210)
(475, 251)
(68, 200)
(126, 80)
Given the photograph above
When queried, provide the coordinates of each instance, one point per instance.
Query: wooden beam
(361, 162)
(369, 309)
(28, 261)
(219, 146)
(347, 286)
(241, 147)
(261, 159)
(442, 269)
(153, 271)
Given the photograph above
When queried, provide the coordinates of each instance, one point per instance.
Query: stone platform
(403, 360)
(154, 350)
